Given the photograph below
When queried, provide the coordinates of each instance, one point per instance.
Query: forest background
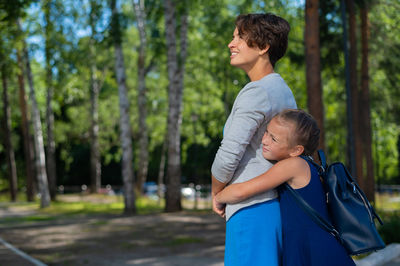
(102, 77)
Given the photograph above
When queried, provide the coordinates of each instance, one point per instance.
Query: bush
(390, 230)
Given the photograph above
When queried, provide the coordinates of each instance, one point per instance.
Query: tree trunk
(355, 94)
(313, 67)
(51, 146)
(12, 170)
(28, 149)
(349, 114)
(38, 139)
(369, 188)
(143, 136)
(125, 125)
(95, 172)
(161, 170)
(175, 91)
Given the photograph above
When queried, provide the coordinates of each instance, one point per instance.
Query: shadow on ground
(185, 238)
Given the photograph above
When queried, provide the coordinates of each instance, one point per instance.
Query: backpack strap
(322, 159)
(320, 168)
(313, 214)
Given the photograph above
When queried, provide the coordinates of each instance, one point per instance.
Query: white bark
(51, 146)
(175, 93)
(125, 127)
(28, 148)
(38, 139)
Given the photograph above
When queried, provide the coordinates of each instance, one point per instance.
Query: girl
(290, 134)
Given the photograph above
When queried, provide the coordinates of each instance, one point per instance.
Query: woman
(253, 229)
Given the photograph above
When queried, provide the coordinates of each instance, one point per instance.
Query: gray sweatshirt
(239, 157)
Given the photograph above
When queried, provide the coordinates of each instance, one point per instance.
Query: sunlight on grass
(21, 198)
(73, 204)
(83, 207)
(147, 205)
(26, 219)
(387, 201)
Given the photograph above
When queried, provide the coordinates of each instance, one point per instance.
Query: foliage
(388, 207)
(385, 97)
(211, 84)
(390, 230)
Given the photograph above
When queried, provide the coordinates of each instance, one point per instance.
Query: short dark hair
(265, 29)
(306, 131)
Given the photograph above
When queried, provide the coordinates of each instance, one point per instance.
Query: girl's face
(242, 55)
(276, 140)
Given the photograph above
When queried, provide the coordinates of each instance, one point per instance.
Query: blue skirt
(254, 236)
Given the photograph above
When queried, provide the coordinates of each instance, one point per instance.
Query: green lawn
(74, 205)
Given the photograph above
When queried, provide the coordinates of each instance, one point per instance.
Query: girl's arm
(281, 172)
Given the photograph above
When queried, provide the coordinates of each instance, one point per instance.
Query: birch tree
(176, 66)
(38, 137)
(28, 148)
(125, 125)
(161, 170)
(95, 172)
(51, 146)
(142, 100)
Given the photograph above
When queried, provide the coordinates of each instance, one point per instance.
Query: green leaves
(211, 83)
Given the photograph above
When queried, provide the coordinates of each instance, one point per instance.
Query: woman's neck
(259, 71)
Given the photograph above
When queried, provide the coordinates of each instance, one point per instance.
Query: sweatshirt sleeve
(249, 113)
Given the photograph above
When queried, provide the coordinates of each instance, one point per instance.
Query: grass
(388, 208)
(182, 240)
(387, 201)
(74, 205)
(71, 205)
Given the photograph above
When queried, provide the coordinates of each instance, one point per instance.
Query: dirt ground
(178, 239)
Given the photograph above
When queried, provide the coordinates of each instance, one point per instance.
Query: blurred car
(188, 192)
(150, 189)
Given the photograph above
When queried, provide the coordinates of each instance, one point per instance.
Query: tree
(94, 98)
(176, 66)
(142, 100)
(161, 170)
(51, 147)
(366, 130)
(12, 170)
(38, 136)
(313, 66)
(125, 125)
(28, 148)
(354, 90)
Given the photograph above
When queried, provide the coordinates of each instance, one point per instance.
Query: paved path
(138, 240)
(389, 256)
(165, 239)
(10, 256)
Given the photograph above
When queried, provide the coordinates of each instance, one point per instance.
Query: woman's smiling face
(242, 55)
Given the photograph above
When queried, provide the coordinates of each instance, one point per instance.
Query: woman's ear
(297, 150)
(264, 51)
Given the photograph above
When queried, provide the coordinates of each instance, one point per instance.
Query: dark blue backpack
(351, 213)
